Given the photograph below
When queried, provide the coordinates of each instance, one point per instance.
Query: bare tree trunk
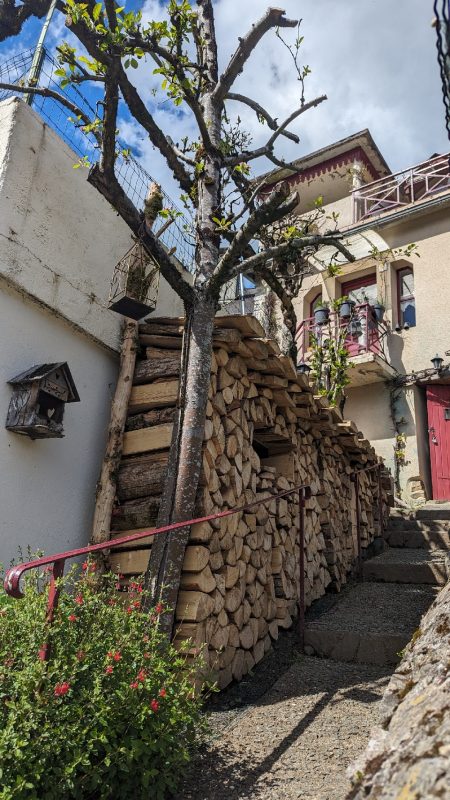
(185, 458)
(106, 486)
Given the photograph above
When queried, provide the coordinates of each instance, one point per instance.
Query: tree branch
(266, 149)
(142, 115)
(13, 17)
(273, 208)
(60, 98)
(252, 263)
(273, 18)
(261, 112)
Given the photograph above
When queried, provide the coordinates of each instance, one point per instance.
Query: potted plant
(322, 313)
(378, 309)
(346, 307)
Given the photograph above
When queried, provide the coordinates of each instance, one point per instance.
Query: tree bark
(106, 487)
(185, 458)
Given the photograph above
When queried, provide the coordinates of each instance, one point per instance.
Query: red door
(438, 405)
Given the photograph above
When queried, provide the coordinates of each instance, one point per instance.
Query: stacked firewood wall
(265, 432)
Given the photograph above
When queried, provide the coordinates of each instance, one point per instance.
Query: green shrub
(112, 714)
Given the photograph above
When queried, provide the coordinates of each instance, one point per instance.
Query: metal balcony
(363, 336)
(413, 185)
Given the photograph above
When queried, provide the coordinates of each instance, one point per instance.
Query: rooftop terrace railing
(401, 189)
(132, 176)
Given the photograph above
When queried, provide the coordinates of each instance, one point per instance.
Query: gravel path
(296, 741)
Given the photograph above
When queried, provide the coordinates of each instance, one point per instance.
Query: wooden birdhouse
(135, 283)
(38, 401)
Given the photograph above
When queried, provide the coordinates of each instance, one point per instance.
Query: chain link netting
(132, 176)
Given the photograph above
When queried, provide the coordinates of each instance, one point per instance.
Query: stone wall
(408, 756)
(265, 432)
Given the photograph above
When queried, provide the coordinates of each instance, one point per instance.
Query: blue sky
(375, 59)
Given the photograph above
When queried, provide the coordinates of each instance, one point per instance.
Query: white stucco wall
(47, 486)
(59, 238)
(59, 242)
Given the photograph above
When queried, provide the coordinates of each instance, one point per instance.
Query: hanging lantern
(135, 282)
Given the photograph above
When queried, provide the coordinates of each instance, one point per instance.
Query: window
(406, 300)
(361, 290)
(315, 301)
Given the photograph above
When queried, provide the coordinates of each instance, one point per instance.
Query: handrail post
(301, 586)
(358, 524)
(52, 603)
(380, 502)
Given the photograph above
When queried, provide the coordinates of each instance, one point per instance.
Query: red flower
(154, 705)
(137, 603)
(116, 655)
(79, 599)
(80, 655)
(61, 689)
(109, 669)
(72, 618)
(130, 610)
(162, 692)
(134, 685)
(159, 608)
(141, 676)
(85, 566)
(147, 655)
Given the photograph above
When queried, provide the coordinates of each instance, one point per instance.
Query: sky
(374, 59)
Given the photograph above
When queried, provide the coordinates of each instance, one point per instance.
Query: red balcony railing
(361, 333)
(402, 188)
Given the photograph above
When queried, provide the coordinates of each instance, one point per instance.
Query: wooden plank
(151, 369)
(153, 395)
(145, 542)
(164, 342)
(247, 325)
(129, 562)
(147, 440)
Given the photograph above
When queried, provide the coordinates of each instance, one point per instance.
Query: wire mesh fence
(132, 176)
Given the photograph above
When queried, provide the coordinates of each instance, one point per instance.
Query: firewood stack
(265, 432)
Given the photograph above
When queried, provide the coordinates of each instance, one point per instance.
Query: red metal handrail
(14, 574)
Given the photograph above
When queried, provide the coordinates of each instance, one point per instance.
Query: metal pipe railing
(58, 560)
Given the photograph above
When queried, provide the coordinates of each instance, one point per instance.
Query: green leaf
(96, 11)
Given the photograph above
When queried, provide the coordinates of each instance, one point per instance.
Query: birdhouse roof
(41, 371)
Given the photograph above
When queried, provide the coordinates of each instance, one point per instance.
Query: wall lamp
(437, 362)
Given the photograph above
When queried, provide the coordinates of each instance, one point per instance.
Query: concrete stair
(408, 565)
(372, 621)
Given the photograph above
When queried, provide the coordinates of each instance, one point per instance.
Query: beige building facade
(396, 395)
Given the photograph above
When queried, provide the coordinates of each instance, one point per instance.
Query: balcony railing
(402, 188)
(361, 334)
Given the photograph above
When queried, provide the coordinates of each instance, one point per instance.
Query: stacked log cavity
(265, 432)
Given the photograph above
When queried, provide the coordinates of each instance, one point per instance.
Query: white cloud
(375, 59)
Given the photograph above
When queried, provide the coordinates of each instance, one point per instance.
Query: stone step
(418, 536)
(369, 623)
(408, 565)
